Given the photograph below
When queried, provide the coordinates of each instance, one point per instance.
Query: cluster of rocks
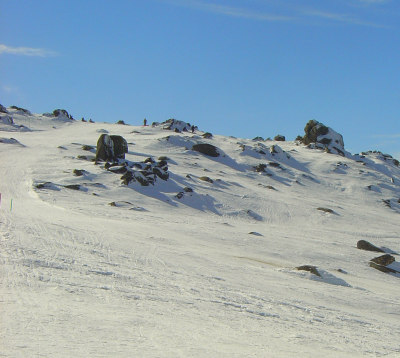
(23, 110)
(63, 113)
(380, 263)
(175, 125)
(112, 149)
(145, 173)
(381, 156)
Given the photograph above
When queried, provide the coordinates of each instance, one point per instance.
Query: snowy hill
(202, 262)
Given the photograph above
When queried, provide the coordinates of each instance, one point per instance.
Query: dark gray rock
(367, 246)
(127, 178)
(309, 268)
(207, 179)
(274, 164)
(79, 172)
(260, 168)
(280, 138)
(383, 268)
(312, 130)
(44, 185)
(206, 149)
(325, 141)
(3, 109)
(105, 149)
(258, 139)
(207, 135)
(160, 173)
(111, 148)
(58, 112)
(73, 186)
(384, 260)
(326, 210)
(120, 146)
(120, 169)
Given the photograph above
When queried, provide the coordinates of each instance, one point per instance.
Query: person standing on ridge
(145, 122)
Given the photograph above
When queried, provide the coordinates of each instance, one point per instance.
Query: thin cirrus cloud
(294, 13)
(26, 51)
(230, 10)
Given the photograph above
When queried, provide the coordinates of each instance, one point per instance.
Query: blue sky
(244, 68)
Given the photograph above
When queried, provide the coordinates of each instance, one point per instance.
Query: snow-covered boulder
(20, 110)
(175, 125)
(61, 114)
(3, 109)
(6, 120)
(317, 135)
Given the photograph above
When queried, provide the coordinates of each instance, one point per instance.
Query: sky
(242, 68)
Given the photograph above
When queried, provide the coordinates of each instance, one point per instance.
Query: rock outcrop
(174, 125)
(280, 138)
(61, 112)
(317, 135)
(6, 119)
(3, 109)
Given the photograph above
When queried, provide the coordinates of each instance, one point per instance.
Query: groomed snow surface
(209, 274)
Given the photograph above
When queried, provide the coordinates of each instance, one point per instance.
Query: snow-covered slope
(202, 264)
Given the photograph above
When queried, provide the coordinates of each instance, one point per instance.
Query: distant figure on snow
(192, 129)
(145, 122)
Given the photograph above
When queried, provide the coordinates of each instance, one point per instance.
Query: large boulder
(61, 112)
(206, 149)
(3, 109)
(317, 135)
(6, 120)
(111, 148)
(120, 146)
(280, 138)
(105, 149)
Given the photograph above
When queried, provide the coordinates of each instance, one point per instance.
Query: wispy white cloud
(9, 89)
(281, 12)
(230, 11)
(26, 51)
(343, 18)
